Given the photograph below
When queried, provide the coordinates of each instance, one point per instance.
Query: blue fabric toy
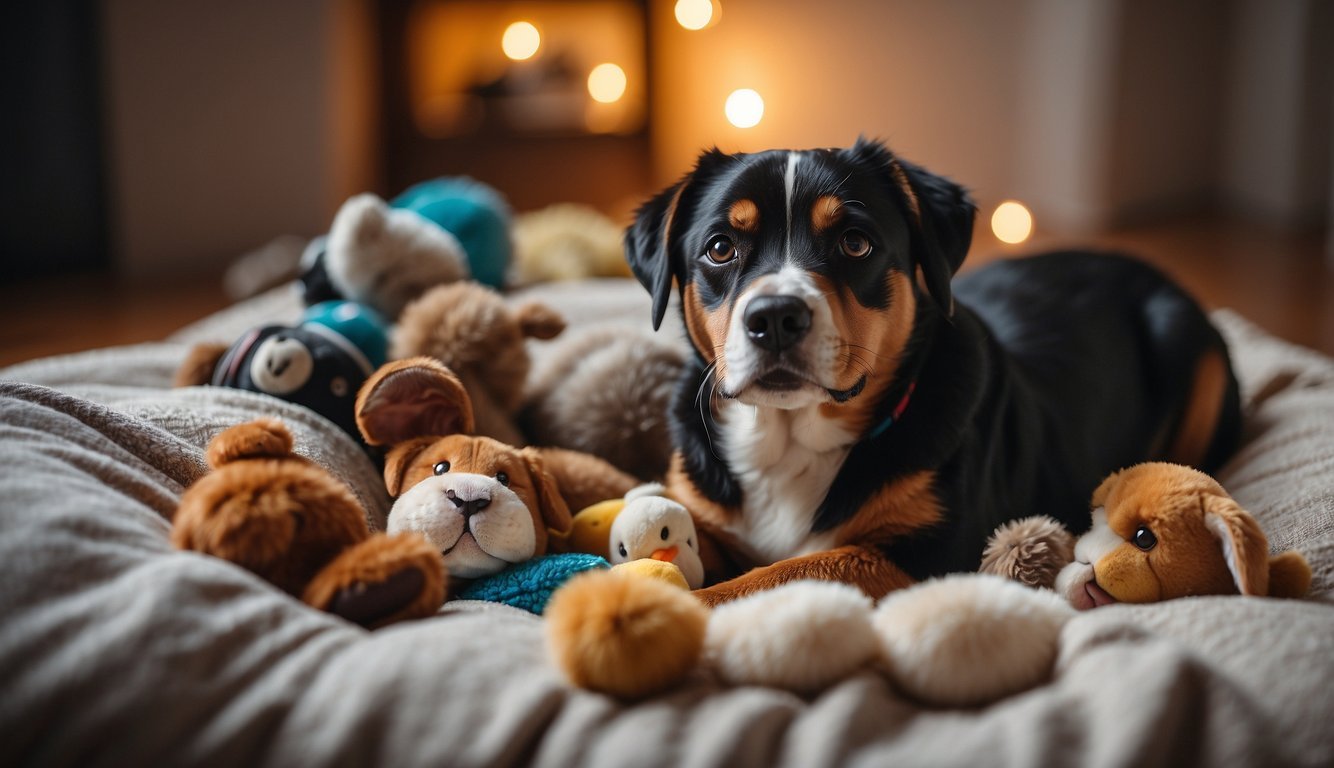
(474, 213)
(528, 585)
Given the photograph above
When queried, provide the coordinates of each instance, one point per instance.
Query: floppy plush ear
(1104, 490)
(417, 397)
(942, 212)
(538, 321)
(555, 513)
(1289, 575)
(1245, 548)
(399, 458)
(649, 241)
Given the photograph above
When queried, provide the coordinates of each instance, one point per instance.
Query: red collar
(894, 415)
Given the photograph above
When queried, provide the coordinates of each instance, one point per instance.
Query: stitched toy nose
(468, 507)
(777, 323)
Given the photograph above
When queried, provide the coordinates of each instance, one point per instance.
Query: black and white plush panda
(319, 363)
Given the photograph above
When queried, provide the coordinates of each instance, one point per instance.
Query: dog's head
(798, 271)
(485, 504)
(1162, 531)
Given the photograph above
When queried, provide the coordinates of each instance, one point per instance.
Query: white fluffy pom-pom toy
(803, 636)
(969, 639)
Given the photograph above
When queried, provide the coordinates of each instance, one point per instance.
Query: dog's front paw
(380, 581)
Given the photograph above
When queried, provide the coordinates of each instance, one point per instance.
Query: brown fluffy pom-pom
(1030, 551)
(622, 635)
(259, 439)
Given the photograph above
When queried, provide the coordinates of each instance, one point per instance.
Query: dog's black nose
(468, 507)
(777, 322)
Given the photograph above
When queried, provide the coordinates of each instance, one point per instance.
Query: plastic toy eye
(855, 244)
(1144, 539)
(338, 386)
(441, 467)
(720, 250)
(665, 533)
(503, 479)
(621, 548)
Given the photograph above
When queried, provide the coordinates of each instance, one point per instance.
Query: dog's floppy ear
(1245, 548)
(417, 397)
(946, 230)
(649, 241)
(942, 214)
(555, 513)
(1104, 489)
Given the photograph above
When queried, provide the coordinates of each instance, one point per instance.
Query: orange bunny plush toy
(1162, 531)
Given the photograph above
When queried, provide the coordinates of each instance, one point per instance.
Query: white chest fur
(785, 461)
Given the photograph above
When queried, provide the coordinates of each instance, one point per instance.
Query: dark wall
(52, 209)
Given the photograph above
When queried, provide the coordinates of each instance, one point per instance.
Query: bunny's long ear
(1245, 548)
(407, 399)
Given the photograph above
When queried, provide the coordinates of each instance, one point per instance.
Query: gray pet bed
(117, 650)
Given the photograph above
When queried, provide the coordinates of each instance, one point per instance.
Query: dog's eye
(665, 533)
(503, 479)
(855, 244)
(1144, 538)
(441, 467)
(721, 250)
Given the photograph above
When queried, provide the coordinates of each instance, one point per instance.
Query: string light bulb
(521, 40)
(606, 83)
(744, 108)
(694, 14)
(1011, 222)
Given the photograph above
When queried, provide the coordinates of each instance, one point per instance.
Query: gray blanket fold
(117, 650)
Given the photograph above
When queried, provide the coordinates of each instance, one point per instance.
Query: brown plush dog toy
(287, 520)
(483, 504)
(1162, 531)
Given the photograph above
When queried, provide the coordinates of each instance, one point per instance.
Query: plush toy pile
(408, 347)
(417, 276)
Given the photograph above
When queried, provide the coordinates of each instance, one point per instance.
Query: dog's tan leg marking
(1199, 420)
(905, 505)
(862, 567)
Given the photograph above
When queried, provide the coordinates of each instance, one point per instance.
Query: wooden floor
(1279, 281)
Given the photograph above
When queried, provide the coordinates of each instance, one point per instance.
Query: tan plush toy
(480, 338)
(289, 521)
(1162, 531)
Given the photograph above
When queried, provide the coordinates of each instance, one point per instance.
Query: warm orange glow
(694, 14)
(1012, 223)
(606, 83)
(744, 108)
(521, 40)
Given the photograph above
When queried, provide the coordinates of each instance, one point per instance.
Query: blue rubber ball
(473, 212)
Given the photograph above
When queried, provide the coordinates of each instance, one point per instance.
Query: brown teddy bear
(477, 335)
(289, 521)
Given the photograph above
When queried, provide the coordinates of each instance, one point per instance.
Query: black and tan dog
(852, 414)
